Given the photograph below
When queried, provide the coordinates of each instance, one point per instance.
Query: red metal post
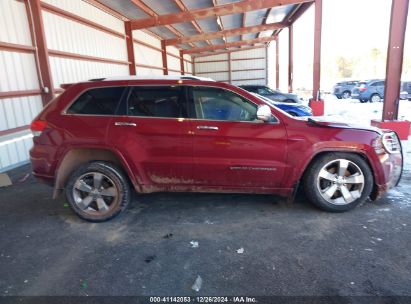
(42, 54)
(229, 67)
(398, 25)
(277, 63)
(164, 57)
(290, 59)
(266, 65)
(317, 50)
(130, 48)
(182, 63)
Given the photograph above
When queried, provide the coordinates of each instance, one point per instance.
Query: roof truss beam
(211, 12)
(228, 45)
(227, 33)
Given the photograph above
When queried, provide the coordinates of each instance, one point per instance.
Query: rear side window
(156, 102)
(100, 101)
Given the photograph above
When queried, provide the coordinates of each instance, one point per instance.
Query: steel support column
(317, 50)
(42, 54)
(398, 24)
(277, 63)
(182, 62)
(130, 48)
(290, 58)
(164, 57)
(229, 67)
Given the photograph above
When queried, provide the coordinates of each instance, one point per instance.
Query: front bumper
(392, 167)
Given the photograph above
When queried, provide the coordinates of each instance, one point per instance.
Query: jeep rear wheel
(338, 182)
(98, 191)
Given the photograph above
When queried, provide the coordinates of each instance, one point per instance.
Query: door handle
(124, 123)
(207, 128)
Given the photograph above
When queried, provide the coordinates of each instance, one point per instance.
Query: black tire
(346, 95)
(312, 181)
(363, 100)
(112, 177)
(375, 98)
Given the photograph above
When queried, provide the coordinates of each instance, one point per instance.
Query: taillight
(363, 89)
(37, 126)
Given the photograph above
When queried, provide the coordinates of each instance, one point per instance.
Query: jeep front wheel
(98, 191)
(338, 182)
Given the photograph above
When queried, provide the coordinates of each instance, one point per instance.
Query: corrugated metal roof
(125, 8)
(278, 14)
(163, 7)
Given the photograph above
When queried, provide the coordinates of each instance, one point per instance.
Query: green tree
(345, 66)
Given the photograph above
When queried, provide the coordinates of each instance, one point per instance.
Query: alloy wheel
(340, 182)
(95, 193)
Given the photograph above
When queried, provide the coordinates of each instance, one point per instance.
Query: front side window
(156, 101)
(99, 101)
(220, 104)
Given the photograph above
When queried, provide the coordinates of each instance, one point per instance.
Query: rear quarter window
(99, 101)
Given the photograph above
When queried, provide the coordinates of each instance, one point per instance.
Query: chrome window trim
(64, 111)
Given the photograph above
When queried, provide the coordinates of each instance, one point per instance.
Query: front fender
(298, 165)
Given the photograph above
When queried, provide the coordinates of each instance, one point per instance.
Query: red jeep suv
(102, 137)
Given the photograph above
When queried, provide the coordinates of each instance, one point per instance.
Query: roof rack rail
(153, 77)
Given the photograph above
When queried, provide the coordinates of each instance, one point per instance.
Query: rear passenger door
(154, 135)
(90, 113)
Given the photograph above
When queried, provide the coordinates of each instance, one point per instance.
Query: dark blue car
(294, 109)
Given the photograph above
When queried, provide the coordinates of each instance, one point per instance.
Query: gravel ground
(237, 244)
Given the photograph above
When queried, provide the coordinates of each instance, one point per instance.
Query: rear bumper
(44, 179)
(356, 96)
(43, 162)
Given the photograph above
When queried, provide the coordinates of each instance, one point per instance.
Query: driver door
(231, 148)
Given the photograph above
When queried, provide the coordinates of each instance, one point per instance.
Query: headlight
(391, 142)
(377, 145)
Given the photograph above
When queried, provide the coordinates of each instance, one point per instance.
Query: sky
(349, 28)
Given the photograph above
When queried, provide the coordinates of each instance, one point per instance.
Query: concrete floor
(288, 249)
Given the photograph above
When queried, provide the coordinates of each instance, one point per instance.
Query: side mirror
(264, 113)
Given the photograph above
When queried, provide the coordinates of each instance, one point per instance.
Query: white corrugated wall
(66, 35)
(18, 73)
(78, 51)
(215, 67)
(147, 54)
(188, 66)
(239, 67)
